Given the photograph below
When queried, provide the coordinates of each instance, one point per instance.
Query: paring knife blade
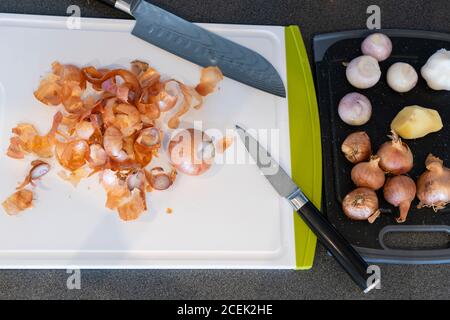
(191, 42)
(337, 245)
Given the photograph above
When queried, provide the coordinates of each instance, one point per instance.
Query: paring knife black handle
(339, 247)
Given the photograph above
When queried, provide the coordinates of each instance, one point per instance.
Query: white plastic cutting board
(229, 218)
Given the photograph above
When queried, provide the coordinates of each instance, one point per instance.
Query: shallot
(191, 152)
(355, 109)
(357, 147)
(363, 72)
(400, 191)
(368, 174)
(437, 70)
(402, 77)
(395, 156)
(361, 204)
(433, 186)
(377, 45)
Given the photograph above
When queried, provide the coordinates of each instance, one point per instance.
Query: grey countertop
(326, 280)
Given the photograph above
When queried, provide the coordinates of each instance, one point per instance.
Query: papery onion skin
(363, 72)
(18, 202)
(115, 131)
(400, 191)
(357, 147)
(433, 186)
(210, 77)
(361, 204)
(14, 149)
(133, 207)
(97, 156)
(159, 179)
(191, 152)
(396, 156)
(377, 45)
(402, 77)
(39, 169)
(368, 174)
(355, 109)
(113, 144)
(72, 155)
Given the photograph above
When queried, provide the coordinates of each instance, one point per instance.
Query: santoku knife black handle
(338, 246)
(112, 3)
(123, 5)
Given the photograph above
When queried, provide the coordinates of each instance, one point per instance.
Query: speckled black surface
(325, 280)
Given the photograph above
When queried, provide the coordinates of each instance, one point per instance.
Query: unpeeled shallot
(368, 174)
(361, 204)
(433, 186)
(357, 147)
(400, 191)
(395, 156)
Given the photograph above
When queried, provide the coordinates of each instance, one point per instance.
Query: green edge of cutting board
(305, 136)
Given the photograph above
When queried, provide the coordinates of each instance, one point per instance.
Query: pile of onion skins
(394, 159)
(112, 123)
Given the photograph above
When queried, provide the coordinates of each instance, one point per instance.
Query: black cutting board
(413, 47)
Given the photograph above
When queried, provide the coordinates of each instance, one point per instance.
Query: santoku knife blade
(330, 237)
(191, 42)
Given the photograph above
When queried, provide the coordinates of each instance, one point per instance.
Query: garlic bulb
(437, 70)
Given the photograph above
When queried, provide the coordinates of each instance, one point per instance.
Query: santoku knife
(330, 237)
(191, 42)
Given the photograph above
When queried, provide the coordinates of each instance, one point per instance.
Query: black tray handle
(404, 256)
(323, 42)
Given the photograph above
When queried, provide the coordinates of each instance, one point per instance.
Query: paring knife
(191, 42)
(330, 237)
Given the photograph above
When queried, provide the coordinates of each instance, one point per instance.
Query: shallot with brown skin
(395, 156)
(357, 147)
(368, 174)
(361, 204)
(433, 186)
(400, 191)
